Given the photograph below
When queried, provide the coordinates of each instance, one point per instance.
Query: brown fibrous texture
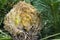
(23, 22)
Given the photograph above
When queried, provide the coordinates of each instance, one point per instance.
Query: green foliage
(50, 14)
(4, 36)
